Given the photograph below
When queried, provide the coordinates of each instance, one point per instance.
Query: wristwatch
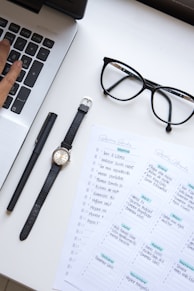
(60, 158)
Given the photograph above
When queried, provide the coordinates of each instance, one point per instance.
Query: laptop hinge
(34, 5)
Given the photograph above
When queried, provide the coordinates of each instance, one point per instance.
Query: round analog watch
(61, 156)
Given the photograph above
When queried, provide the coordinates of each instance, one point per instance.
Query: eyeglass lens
(167, 101)
(121, 82)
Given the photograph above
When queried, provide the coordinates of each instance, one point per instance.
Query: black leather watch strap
(82, 110)
(55, 169)
(52, 175)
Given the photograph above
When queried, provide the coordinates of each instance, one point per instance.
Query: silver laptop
(40, 33)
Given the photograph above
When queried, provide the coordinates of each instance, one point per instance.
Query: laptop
(40, 33)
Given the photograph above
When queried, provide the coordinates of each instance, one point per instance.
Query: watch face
(61, 156)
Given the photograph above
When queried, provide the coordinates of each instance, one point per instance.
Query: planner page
(132, 225)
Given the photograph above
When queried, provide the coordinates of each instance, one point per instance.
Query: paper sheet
(132, 223)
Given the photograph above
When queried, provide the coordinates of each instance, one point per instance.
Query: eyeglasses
(170, 105)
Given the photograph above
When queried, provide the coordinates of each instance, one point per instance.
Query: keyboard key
(31, 49)
(6, 69)
(21, 76)
(3, 22)
(26, 61)
(20, 100)
(1, 32)
(33, 73)
(20, 43)
(48, 43)
(37, 37)
(13, 56)
(10, 36)
(14, 89)
(7, 102)
(43, 54)
(25, 32)
(14, 27)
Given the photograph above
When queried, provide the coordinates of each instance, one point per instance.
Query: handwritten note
(132, 226)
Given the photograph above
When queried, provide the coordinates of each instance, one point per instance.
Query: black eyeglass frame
(150, 85)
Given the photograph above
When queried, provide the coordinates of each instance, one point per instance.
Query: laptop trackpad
(12, 136)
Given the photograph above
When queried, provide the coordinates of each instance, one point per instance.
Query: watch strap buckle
(87, 101)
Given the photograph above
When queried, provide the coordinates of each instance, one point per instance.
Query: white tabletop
(160, 47)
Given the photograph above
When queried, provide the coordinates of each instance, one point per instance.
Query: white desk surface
(161, 49)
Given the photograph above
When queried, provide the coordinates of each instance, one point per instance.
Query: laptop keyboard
(33, 49)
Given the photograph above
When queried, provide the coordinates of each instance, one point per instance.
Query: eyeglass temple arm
(168, 127)
(181, 95)
(116, 84)
(130, 74)
(153, 84)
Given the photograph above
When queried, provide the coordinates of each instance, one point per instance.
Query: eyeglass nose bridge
(150, 85)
